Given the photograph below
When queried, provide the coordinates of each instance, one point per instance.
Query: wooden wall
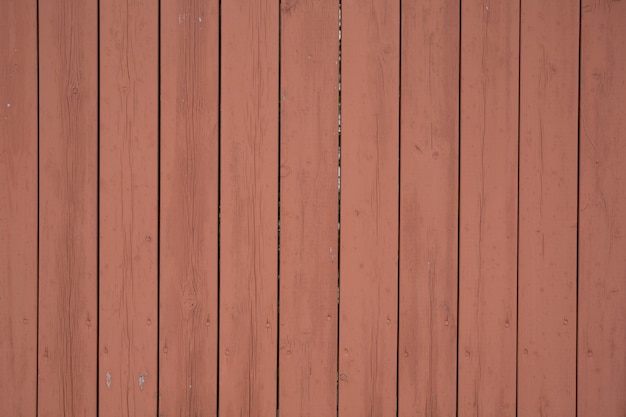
(326, 208)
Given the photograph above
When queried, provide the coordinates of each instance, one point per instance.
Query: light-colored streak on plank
(128, 208)
(369, 208)
(488, 208)
(18, 207)
(602, 212)
(249, 209)
(429, 208)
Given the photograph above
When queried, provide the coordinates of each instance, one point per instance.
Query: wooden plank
(68, 269)
(369, 208)
(18, 208)
(602, 215)
(429, 132)
(128, 208)
(249, 209)
(488, 208)
(548, 195)
(308, 209)
(189, 208)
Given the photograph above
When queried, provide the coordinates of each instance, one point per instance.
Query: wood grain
(309, 209)
(18, 208)
(602, 212)
(429, 161)
(189, 207)
(128, 208)
(547, 202)
(68, 314)
(249, 209)
(369, 208)
(488, 208)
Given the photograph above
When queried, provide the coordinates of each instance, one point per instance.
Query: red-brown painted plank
(128, 208)
(488, 208)
(68, 270)
(308, 208)
(602, 212)
(18, 207)
(249, 208)
(369, 208)
(189, 207)
(429, 132)
(548, 181)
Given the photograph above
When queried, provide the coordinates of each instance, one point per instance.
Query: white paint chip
(108, 376)
(142, 379)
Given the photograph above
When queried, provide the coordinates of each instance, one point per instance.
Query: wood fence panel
(18, 207)
(548, 208)
(429, 161)
(602, 212)
(488, 208)
(189, 208)
(128, 208)
(309, 209)
(369, 208)
(68, 195)
(249, 209)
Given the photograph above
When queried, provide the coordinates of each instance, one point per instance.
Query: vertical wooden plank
(249, 208)
(308, 209)
(602, 215)
(547, 202)
(189, 207)
(18, 207)
(68, 118)
(128, 207)
(369, 208)
(488, 208)
(429, 208)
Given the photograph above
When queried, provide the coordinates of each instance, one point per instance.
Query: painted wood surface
(548, 181)
(368, 277)
(309, 252)
(18, 208)
(188, 208)
(68, 209)
(312, 208)
(429, 161)
(129, 111)
(488, 209)
(249, 209)
(602, 212)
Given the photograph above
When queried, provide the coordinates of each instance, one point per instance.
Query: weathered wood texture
(249, 209)
(602, 212)
(128, 208)
(548, 208)
(369, 208)
(188, 207)
(429, 161)
(308, 209)
(176, 236)
(488, 208)
(18, 208)
(68, 209)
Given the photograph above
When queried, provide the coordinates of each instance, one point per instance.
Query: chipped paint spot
(108, 376)
(142, 380)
